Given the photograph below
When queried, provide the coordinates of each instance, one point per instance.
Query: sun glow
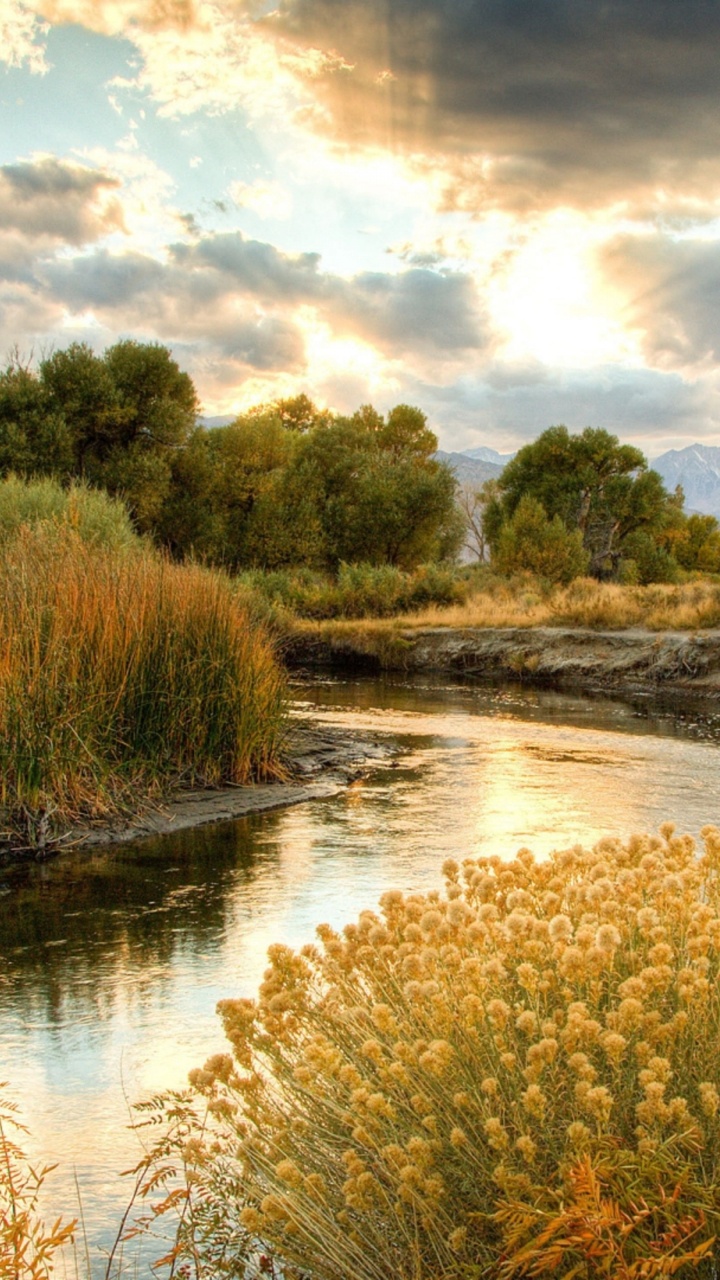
(327, 355)
(547, 300)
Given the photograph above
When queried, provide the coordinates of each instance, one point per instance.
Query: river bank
(318, 762)
(628, 661)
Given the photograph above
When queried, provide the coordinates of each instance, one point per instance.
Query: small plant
(518, 1076)
(27, 1247)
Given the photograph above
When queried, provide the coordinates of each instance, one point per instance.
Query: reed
(121, 674)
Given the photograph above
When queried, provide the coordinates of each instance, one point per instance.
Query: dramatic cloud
(525, 103)
(654, 410)
(254, 267)
(411, 311)
(52, 199)
(503, 211)
(112, 17)
(669, 290)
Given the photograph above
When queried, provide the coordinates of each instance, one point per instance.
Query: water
(111, 962)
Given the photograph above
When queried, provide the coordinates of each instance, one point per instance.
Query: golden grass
(121, 674)
(688, 606)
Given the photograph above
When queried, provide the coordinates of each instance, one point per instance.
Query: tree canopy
(594, 485)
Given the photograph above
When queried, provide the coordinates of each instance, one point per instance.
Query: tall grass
(122, 673)
(526, 602)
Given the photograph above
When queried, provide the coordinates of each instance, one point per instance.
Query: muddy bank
(630, 661)
(318, 762)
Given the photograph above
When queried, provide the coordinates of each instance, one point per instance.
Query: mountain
(486, 454)
(221, 420)
(470, 470)
(697, 469)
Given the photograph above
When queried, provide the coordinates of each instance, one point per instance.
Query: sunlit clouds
(508, 217)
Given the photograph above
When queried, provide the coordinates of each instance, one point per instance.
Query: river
(112, 961)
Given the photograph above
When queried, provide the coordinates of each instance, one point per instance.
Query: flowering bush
(520, 1075)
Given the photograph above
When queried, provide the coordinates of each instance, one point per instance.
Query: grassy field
(122, 675)
(688, 606)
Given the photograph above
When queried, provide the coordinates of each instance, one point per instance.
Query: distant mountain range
(697, 469)
(485, 454)
(469, 469)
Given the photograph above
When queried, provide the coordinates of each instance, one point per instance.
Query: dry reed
(688, 606)
(121, 674)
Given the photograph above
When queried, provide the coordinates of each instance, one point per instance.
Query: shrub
(518, 1076)
(119, 673)
(359, 590)
(98, 519)
(529, 540)
(368, 590)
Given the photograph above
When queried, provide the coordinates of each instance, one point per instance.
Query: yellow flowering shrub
(420, 1095)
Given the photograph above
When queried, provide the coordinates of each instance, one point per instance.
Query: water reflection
(111, 963)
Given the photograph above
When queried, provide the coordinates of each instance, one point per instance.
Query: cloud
(103, 280)
(417, 310)
(251, 303)
(253, 266)
(56, 200)
(21, 37)
(523, 104)
(668, 290)
(114, 17)
(653, 409)
(496, 103)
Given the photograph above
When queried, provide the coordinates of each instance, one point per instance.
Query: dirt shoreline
(632, 661)
(320, 763)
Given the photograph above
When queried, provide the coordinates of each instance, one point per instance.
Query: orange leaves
(593, 1234)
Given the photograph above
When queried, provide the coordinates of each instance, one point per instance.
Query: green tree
(34, 437)
(381, 497)
(80, 389)
(298, 413)
(698, 546)
(592, 483)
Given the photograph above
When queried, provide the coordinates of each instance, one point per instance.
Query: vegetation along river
(112, 960)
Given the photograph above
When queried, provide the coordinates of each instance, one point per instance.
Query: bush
(529, 540)
(518, 1076)
(123, 672)
(359, 590)
(644, 561)
(98, 519)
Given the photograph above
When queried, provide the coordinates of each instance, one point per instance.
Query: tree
(592, 483)
(472, 504)
(34, 437)
(298, 413)
(80, 389)
(381, 497)
(698, 546)
(127, 412)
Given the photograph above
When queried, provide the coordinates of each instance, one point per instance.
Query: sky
(506, 212)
